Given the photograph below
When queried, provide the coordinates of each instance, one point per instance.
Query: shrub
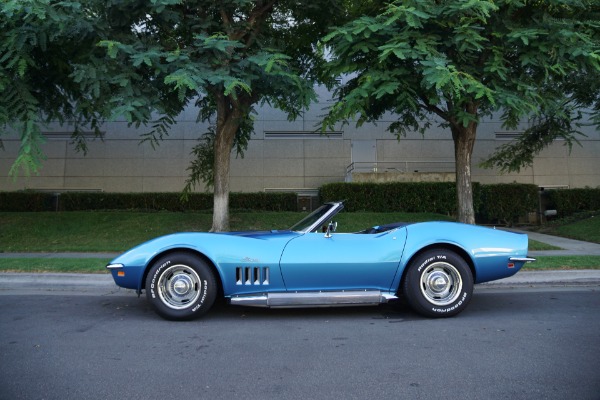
(508, 202)
(570, 201)
(438, 197)
(263, 201)
(503, 202)
(27, 201)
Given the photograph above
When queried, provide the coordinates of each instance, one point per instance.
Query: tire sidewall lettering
(201, 301)
(425, 263)
(155, 277)
(453, 307)
(439, 257)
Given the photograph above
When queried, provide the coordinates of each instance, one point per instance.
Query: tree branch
(432, 108)
(253, 25)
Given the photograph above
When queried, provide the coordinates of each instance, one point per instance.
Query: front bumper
(125, 276)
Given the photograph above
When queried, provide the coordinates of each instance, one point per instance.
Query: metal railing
(402, 166)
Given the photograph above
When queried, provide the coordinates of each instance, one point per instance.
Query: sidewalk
(570, 247)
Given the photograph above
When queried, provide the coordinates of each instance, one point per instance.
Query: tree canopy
(94, 60)
(40, 41)
(428, 62)
(455, 62)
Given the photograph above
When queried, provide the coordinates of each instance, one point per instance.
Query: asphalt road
(509, 344)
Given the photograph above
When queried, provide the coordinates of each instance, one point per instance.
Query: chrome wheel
(179, 287)
(441, 283)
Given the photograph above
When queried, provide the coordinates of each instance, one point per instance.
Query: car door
(343, 261)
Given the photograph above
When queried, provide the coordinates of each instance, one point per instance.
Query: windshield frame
(318, 218)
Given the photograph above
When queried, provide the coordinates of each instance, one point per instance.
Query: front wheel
(180, 286)
(438, 283)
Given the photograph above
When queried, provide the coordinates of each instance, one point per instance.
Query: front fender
(128, 269)
(225, 251)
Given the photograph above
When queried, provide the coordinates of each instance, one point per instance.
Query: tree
(147, 61)
(459, 61)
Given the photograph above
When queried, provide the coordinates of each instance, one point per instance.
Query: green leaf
(112, 47)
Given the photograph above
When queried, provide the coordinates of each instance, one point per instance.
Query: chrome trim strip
(322, 298)
(250, 301)
(522, 259)
(115, 266)
(388, 297)
(314, 299)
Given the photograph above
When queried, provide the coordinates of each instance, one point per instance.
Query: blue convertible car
(433, 265)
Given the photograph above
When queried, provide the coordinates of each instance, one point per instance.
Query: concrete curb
(59, 283)
(582, 277)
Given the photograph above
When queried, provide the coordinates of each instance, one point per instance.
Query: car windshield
(310, 222)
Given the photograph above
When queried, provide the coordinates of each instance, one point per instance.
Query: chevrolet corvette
(433, 265)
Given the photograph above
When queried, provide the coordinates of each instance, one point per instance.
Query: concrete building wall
(303, 160)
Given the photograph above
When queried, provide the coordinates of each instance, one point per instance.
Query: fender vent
(252, 276)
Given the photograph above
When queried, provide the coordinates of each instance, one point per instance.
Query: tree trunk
(228, 122)
(464, 140)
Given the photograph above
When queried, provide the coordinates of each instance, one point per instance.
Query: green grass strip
(39, 265)
(535, 245)
(563, 262)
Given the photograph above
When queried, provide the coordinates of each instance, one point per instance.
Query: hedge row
(500, 202)
(570, 201)
(393, 196)
(493, 203)
(506, 203)
(78, 201)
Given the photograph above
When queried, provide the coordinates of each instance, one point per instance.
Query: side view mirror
(331, 227)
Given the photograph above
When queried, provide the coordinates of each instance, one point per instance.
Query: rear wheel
(438, 283)
(180, 286)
